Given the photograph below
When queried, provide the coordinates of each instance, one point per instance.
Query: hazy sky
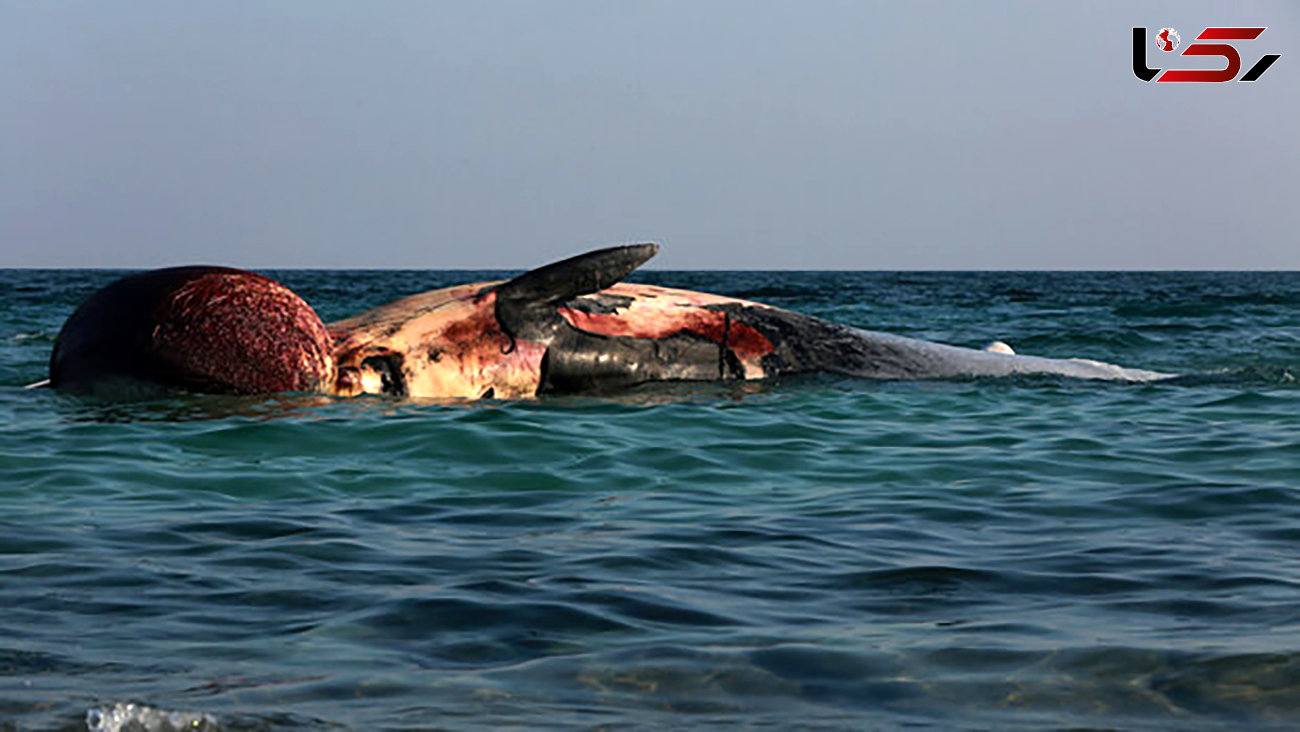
(747, 135)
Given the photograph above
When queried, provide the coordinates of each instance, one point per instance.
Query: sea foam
(131, 717)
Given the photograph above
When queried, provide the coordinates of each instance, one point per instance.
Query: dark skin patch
(804, 344)
(600, 303)
(581, 362)
(389, 368)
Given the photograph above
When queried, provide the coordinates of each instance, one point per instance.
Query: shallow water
(1020, 553)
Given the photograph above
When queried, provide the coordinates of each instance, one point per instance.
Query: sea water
(815, 553)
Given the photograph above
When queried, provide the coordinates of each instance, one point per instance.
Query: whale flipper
(525, 305)
(569, 278)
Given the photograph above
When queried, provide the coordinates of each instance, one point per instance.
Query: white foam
(131, 717)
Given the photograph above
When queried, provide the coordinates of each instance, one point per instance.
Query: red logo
(1167, 40)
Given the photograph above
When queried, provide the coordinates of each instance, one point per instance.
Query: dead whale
(574, 327)
(570, 327)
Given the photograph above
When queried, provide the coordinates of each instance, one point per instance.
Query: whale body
(570, 327)
(573, 327)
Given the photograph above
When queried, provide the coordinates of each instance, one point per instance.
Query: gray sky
(746, 135)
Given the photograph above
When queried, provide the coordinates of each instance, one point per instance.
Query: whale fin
(525, 304)
(580, 275)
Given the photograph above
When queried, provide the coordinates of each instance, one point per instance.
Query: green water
(1025, 553)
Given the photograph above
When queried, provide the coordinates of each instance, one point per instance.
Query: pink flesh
(473, 355)
(449, 344)
(246, 332)
(659, 312)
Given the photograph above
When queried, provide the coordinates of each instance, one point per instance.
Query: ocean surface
(817, 553)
